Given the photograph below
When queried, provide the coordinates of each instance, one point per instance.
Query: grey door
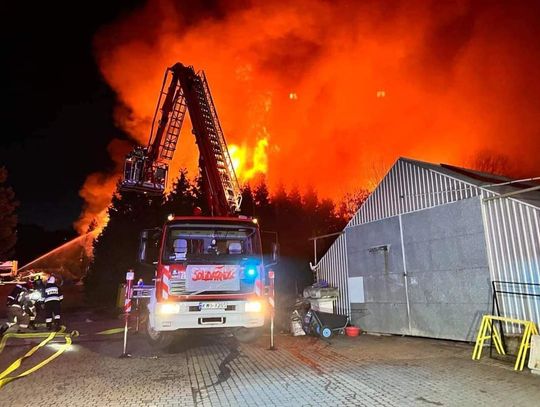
(374, 252)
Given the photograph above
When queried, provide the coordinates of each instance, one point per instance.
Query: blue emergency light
(249, 273)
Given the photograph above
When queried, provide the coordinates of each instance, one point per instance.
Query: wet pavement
(304, 371)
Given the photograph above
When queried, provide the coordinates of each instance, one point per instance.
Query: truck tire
(159, 339)
(156, 338)
(247, 335)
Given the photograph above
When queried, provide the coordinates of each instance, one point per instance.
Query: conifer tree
(248, 203)
(8, 218)
(182, 199)
(115, 249)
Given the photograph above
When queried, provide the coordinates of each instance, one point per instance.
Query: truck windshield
(210, 244)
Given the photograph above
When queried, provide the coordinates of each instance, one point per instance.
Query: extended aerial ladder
(146, 169)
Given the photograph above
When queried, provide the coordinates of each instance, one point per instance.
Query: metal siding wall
(513, 237)
(333, 268)
(406, 188)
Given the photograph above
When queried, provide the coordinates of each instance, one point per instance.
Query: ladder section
(219, 148)
(172, 135)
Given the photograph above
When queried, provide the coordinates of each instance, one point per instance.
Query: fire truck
(209, 269)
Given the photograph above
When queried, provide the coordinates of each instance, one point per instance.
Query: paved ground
(304, 371)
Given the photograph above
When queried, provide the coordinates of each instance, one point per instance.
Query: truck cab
(210, 274)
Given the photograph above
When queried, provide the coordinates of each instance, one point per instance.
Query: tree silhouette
(351, 202)
(115, 249)
(8, 218)
(264, 209)
(248, 203)
(182, 198)
(492, 163)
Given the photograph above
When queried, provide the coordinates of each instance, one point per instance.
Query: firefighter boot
(57, 325)
(3, 329)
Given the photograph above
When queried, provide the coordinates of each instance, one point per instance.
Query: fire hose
(48, 336)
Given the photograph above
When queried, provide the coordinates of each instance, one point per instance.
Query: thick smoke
(338, 88)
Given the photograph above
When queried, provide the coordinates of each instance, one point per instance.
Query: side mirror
(275, 252)
(149, 246)
(143, 246)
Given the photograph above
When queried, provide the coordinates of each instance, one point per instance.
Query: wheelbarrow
(324, 324)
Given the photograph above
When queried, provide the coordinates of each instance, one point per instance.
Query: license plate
(212, 305)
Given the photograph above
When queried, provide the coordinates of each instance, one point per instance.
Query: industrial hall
(434, 248)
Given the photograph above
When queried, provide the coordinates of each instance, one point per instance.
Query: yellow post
(497, 341)
(480, 339)
(487, 324)
(530, 330)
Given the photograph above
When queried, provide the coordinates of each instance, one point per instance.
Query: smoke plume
(321, 92)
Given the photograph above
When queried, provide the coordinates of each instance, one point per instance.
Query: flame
(341, 86)
(249, 162)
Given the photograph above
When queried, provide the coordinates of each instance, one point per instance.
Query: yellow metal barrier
(488, 331)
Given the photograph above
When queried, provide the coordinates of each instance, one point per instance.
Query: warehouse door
(375, 254)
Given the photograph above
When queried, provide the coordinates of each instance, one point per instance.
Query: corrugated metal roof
(485, 181)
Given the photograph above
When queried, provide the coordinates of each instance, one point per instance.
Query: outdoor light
(251, 272)
(170, 216)
(253, 306)
(168, 308)
(255, 220)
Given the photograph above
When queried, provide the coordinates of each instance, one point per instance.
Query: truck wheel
(157, 338)
(246, 335)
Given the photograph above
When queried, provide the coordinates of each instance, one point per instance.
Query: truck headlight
(168, 308)
(254, 306)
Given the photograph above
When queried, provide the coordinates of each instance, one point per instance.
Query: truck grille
(178, 286)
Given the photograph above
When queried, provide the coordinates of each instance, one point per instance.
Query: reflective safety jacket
(14, 298)
(52, 293)
(39, 286)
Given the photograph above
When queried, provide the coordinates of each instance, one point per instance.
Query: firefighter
(15, 310)
(37, 296)
(53, 297)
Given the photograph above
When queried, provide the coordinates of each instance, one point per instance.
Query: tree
(264, 209)
(115, 249)
(183, 197)
(248, 203)
(491, 162)
(351, 202)
(8, 218)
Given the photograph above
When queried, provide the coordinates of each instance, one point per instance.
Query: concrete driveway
(303, 371)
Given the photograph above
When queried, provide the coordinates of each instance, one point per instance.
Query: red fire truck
(209, 269)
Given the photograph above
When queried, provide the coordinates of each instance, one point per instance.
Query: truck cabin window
(210, 244)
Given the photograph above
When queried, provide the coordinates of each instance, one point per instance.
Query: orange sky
(332, 93)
